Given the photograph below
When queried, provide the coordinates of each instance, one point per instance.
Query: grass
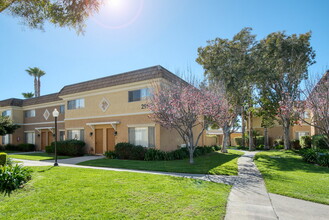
(285, 173)
(214, 163)
(37, 156)
(78, 193)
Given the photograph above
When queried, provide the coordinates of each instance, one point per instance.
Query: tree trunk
(266, 144)
(35, 87)
(243, 127)
(191, 157)
(39, 85)
(191, 145)
(251, 139)
(226, 131)
(286, 134)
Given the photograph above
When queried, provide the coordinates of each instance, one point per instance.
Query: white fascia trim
(140, 125)
(108, 116)
(109, 90)
(29, 131)
(40, 123)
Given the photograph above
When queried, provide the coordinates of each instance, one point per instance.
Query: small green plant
(295, 144)
(320, 141)
(3, 159)
(306, 141)
(279, 147)
(317, 156)
(13, 177)
(110, 155)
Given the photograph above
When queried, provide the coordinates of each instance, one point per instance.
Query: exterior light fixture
(55, 115)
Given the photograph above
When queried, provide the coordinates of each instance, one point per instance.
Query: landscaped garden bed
(213, 163)
(287, 174)
(77, 193)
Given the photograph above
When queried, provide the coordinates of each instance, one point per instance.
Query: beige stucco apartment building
(101, 112)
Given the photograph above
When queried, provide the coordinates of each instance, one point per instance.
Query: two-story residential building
(101, 112)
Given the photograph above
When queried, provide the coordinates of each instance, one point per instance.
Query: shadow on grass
(288, 161)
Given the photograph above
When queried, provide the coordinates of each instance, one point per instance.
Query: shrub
(295, 144)
(259, 140)
(155, 154)
(11, 147)
(216, 147)
(26, 147)
(2, 148)
(260, 147)
(238, 141)
(320, 141)
(3, 159)
(305, 141)
(318, 156)
(137, 153)
(279, 147)
(13, 177)
(278, 142)
(50, 149)
(68, 148)
(110, 155)
(123, 150)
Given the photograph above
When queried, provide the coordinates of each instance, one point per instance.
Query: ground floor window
(300, 134)
(5, 139)
(61, 135)
(75, 134)
(144, 136)
(29, 137)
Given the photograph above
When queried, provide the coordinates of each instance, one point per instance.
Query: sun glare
(117, 14)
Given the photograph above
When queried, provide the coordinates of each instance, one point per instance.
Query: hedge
(3, 159)
(68, 148)
(305, 142)
(20, 147)
(320, 141)
(132, 152)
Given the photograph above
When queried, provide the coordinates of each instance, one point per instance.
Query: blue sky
(133, 34)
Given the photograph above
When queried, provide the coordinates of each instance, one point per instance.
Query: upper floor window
(75, 104)
(138, 95)
(6, 113)
(62, 109)
(29, 113)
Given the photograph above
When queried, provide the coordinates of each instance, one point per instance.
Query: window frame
(77, 104)
(143, 95)
(149, 129)
(80, 131)
(26, 137)
(27, 115)
(5, 113)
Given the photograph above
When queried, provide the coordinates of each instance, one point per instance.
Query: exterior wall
(211, 140)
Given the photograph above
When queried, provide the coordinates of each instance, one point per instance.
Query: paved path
(248, 198)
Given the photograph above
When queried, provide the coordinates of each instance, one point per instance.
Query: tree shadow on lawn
(286, 163)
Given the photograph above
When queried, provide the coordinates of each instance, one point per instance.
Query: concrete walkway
(248, 198)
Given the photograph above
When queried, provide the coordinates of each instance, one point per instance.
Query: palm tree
(37, 73)
(27, 95)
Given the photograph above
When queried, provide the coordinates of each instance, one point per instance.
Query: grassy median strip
(78, 193)
(215, 163)
(287, 174)
(37, 156)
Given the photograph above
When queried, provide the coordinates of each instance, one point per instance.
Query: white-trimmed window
(76, 104)
(6, 139)
(77, 134)
(6, 113)
(144, 136)
(300, 134)
(61, 135)
(29, 113)
(30, 137)
(138, 95)
(62, 109)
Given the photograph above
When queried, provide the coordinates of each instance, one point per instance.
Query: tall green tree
(37, 74)
(7, 126)
(62, 13)
(231, 63)
(27, 95)
(284, 61)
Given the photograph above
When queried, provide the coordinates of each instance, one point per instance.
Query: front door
(43, 140)
(50, 138)
(98, 141)
(110, 139)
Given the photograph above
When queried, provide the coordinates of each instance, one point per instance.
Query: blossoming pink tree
(317, 102)
(183, 107)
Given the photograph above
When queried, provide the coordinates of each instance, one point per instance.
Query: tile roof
(119, 79)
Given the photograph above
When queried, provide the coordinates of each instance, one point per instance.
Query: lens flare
(117, 14)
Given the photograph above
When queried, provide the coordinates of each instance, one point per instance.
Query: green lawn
(214, 163)
(287, 174)
(37, 156)
(78, 193)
